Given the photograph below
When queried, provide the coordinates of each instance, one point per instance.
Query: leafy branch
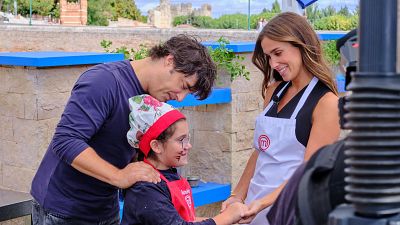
(132, 54)
(224, 58)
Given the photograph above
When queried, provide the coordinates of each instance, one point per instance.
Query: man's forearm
(90, 163)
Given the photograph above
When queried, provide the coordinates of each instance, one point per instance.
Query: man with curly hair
(89, 157)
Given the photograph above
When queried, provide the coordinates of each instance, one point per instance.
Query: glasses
(185, 141)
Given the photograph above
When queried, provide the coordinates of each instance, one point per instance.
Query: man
(89, 157)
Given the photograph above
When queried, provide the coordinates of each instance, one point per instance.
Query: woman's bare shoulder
(269, 91)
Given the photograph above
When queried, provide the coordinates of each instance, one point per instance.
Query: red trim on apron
(181, 196)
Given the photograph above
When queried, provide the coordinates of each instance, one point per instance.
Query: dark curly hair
(190, 58)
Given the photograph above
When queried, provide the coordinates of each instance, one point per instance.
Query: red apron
(181, 195)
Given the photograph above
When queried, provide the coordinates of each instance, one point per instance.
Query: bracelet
(235, 196)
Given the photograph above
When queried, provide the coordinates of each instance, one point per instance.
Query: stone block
(212, 108)
(17, 80)
(211, 164)
(242, 140)
(244, 121)
(245, 102)
(51, 105)
(6, 128)
(200, 108)
(239, 162)
(12, 105)
(17, 178)
(33, 135)
(20, 154)
(59, 79)
(30, 106)
(220, 141)
(207, 120)
(241, 85)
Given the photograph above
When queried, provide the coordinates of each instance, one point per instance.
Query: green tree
(336, 22)
(313, 13)
(40, 7)
(55, 12)
(276, 8)
(328, 11)
(203, 22)
(127, 9)
(344, 11)
(99, 11)
(178, 20)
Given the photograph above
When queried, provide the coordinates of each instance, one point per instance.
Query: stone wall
(32, 101)
(16, 38)
(163, 15)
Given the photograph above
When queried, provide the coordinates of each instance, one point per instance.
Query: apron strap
(304, 97)
(272, 101)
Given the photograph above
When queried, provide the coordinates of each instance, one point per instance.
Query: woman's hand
(229, 201)
(253, 209)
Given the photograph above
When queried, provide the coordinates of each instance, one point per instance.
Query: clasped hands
(245, 213)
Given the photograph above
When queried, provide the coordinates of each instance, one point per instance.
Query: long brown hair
(294, 29)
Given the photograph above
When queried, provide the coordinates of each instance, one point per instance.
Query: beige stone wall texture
(31, 103)
(16, 38)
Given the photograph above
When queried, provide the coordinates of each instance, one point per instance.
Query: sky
(220, 7)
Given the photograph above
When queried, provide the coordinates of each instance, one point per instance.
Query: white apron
(280, 153)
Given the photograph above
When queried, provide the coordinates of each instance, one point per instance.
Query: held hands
(134, 172)
(236, 211)
(253, 209)
(230, 200)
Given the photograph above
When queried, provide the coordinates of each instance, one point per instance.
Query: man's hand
(134, 172)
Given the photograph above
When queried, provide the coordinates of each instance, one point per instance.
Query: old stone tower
(163, 15)
(73, 13)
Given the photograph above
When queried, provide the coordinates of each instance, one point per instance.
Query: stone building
(73, 13)
(163, 15)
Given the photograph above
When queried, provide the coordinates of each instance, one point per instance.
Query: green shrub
(331, 55)
(227, 60)
(336, 22)
(224, 58)
(132, 54)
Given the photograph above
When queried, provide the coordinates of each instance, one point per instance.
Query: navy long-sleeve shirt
(96, 116)
(150, 204)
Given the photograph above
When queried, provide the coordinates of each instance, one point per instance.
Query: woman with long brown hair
(300, 115)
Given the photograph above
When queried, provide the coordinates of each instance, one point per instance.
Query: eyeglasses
(185, 141)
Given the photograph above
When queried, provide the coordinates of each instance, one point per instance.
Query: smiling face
(173, 152)
(171, 84)
(284, 58)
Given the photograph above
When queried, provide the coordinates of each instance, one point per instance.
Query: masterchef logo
(263, 142)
